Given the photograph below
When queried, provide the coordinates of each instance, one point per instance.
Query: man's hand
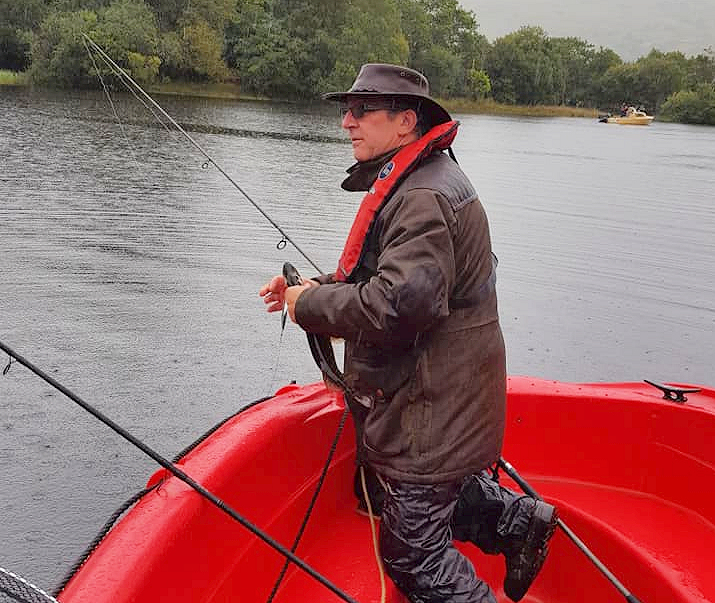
(273, 293)
(276, 293)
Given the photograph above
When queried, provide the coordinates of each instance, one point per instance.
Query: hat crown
(382, 78)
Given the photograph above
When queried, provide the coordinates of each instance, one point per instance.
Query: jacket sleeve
(410, 291)
(324, 279)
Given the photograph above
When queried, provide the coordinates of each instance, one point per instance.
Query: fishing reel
(320, 346)
(291, 274)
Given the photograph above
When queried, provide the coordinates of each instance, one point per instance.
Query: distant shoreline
(486, 107)
(230, 91)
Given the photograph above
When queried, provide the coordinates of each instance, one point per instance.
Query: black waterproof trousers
(419, 523)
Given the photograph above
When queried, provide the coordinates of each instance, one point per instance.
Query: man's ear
(408, 121)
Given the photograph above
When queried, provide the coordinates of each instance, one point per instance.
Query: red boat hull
(631, 473)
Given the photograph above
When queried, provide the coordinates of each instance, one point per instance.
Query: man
(414, 298)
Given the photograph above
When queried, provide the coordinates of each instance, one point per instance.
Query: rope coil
(16, 589)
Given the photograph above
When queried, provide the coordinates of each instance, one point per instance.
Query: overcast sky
(630, 28)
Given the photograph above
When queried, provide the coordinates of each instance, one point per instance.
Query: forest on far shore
(297, 49)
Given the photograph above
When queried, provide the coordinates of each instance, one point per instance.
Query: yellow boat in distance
(633, 117)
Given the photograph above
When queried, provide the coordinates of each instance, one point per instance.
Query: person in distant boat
(414, 298)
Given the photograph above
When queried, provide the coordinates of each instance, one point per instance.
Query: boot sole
(541, 529)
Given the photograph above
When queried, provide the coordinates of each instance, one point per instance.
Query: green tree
(72, 6)
(444, 43)
(59, 57)
(192, 42)
(701, 69)
(215, 13)
(603, 60)
(168, 12)
(658, 76)
(126, 26)
(202, 52)
(691, 106)
(270, 57)
(299, 48)
(572, 59)
(617, 85)
(443, 70)
(647, 82)
(478, 84)
(521, 69)
(144, 69)
(19, 18)
(367, 36)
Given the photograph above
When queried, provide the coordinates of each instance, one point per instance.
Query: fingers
(276, 285)
(276, 293)
(273, 293)
(275, 307)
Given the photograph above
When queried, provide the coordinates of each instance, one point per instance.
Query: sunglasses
(360, 109)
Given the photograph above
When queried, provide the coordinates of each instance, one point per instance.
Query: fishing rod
(125, 77)
(524, 485)
(320, 346)
(176, 472)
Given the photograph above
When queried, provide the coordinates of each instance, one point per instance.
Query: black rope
(313, 500)
(108, 525)
(178, 473)
(20, 590)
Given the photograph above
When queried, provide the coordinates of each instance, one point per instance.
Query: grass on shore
(491, 107)
(12, 78)
(225, 90)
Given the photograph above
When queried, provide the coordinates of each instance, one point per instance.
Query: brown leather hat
(381, 79)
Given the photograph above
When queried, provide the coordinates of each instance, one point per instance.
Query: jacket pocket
(384, 435)
(379, 372)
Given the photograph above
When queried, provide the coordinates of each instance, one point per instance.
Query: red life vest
(390, 177)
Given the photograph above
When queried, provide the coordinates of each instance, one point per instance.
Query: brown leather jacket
(422, 338)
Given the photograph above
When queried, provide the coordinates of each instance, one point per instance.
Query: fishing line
(178, 473)
(109, 98)
(154, 114)
(126, 78)
(318, 353)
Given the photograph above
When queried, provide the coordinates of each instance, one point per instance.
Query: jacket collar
(363, 173)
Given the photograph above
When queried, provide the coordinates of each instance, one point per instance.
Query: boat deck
(632, 475)
(658, 550)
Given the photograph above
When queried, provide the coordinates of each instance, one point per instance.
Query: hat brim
(434, 113)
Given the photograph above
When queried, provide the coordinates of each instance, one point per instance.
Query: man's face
(373, 129)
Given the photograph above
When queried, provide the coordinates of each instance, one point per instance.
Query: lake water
(130, 274)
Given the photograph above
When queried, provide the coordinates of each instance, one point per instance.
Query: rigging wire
(179, 474)
(134, 87)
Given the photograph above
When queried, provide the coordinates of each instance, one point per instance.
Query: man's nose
(349, 120)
